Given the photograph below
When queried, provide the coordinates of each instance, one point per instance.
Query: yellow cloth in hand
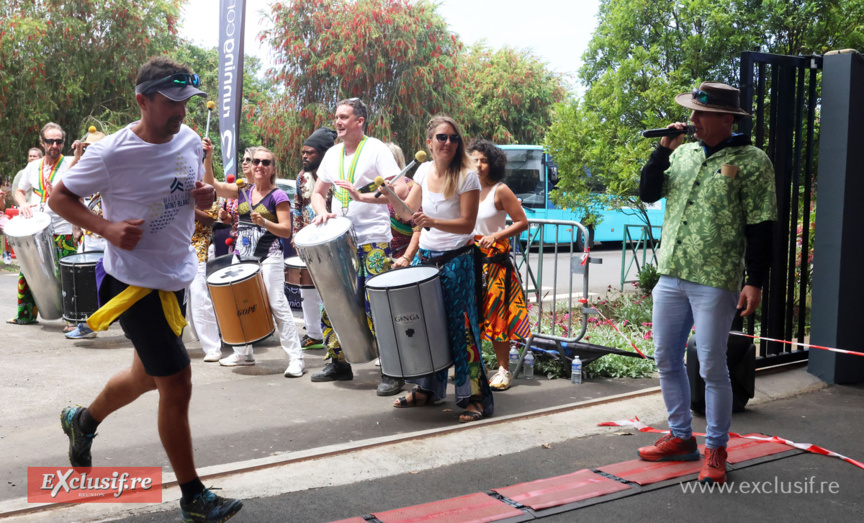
(102, 319)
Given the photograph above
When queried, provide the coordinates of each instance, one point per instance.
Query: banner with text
(231, 31)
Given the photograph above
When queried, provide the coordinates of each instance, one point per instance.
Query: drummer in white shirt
(355, 163)
(41, 176)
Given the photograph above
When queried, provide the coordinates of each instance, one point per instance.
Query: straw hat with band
(713, 97)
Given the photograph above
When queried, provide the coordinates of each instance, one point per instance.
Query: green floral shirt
(708, 204)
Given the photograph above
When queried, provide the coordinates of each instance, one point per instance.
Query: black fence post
(838, 281)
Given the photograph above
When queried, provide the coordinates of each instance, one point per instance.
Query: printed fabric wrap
(505, 315)
(460, 295)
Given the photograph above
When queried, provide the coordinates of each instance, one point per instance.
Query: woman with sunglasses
(228, 211)
(449, 192)
(264, 216)
(505, 315)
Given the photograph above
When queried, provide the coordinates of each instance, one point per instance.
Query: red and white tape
(609, 322)
(807, 345)
(809, 447)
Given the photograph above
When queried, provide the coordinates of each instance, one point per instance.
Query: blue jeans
(678, 305)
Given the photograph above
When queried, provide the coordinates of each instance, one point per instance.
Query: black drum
(78, 282)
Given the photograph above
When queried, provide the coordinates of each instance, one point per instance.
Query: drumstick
(210, 105)
(404, 205)
(420, 157)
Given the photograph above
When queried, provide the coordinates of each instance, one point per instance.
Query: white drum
(330, 253)
(410, 321)
(33, 242)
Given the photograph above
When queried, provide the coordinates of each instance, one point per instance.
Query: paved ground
(298, 451)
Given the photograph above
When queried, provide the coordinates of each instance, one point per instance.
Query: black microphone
(659, 133)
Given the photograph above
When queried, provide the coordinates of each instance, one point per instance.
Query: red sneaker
(714, 469)
(670, 448)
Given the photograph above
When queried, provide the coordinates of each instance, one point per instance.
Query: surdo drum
(330, 253)
(33, 242)
(410, 321)
(296, 273)
(241, 305)
(78, 277)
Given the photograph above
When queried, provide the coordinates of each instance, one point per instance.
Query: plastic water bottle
(529, 365)
(576, 371)
(514, 358)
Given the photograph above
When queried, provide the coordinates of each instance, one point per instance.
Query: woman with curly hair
(505, 316)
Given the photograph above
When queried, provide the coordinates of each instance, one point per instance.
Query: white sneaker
(295, 368)
(214, 356)
(377, 362)
(236, 360)
(501, 379)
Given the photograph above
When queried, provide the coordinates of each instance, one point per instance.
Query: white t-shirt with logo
(371, 221)
(435, 206)
(30, 180)
(138, 179)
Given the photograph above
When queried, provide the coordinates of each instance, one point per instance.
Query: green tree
(74, 62)
(256, 92)
(509, 95)
(398, 56)
(644, 52)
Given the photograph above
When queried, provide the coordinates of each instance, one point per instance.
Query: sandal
(16, 321)
(468, 416)
(427, 400)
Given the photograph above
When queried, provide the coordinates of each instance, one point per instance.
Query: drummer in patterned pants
(41, 176)
(353, 164)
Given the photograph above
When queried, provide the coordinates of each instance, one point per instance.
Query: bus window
(526, 177)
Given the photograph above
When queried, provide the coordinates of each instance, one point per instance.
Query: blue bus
(531, 174)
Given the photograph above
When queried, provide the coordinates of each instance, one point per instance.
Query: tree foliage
(508, 95)
(74, 62)
(396, 55)
(644, 52)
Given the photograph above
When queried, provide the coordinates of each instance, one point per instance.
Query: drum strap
(108, 313)
(442, 260)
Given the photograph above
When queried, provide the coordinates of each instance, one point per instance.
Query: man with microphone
(719, 220)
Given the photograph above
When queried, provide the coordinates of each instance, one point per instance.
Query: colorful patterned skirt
(505, 316)
(457, 283)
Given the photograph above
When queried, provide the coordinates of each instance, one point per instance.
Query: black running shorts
(161, 352)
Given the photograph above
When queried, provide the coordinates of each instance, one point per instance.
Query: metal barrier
(643, 242)
(579, 263)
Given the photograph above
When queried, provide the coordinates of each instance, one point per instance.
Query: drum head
(295, 262)
(318, 234)
(401, 277)
(84, 258)
(21, 227)
(233, 274)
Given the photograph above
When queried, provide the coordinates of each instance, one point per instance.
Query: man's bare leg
(175, 392)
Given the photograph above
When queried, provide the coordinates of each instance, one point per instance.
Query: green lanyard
(342, 194)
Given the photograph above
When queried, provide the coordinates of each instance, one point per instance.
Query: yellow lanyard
(342, 194)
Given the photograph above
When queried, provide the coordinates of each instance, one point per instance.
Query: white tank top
(489, 219)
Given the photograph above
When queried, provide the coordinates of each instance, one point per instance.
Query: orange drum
(297, 274)
(241, 304)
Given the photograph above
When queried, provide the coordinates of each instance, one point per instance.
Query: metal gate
(781, 93)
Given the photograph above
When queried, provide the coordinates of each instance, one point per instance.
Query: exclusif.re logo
(94, 485)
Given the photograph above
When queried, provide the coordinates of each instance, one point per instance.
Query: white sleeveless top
(489, 219)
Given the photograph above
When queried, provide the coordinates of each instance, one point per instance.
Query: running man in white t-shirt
(149, 175)
(353, 164)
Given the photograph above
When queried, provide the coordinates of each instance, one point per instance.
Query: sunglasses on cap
(247, 160)
(265, 163)
(174, 80)
(442, 138)
(53, 141)
(706, 99)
